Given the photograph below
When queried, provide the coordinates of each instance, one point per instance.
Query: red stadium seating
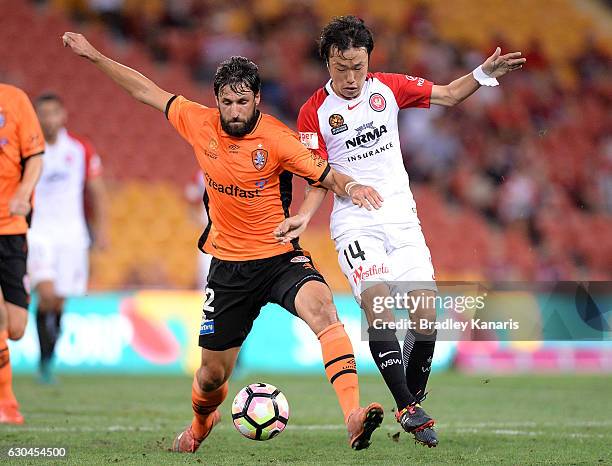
(148, 164)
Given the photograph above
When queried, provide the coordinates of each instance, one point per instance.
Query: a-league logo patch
(259, 158)
(378, 102)
(207, 327)
(336, 121)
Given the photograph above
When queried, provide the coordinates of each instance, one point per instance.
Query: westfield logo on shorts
(359, 274)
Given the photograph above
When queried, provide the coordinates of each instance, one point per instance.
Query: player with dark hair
(248, 159)
(59, 239)
(21, 144)
(352, 122)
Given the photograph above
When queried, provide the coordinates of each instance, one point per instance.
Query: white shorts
(386, 253)
(58, 261)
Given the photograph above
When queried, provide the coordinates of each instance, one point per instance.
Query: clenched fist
(80, 45)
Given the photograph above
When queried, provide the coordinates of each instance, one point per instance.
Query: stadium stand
(513, 184)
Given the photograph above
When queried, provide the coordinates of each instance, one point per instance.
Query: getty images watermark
(510, 311)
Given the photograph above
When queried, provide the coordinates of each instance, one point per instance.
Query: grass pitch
(481, 420)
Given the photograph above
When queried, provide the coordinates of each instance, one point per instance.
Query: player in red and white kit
(352, 122)
(59, 239)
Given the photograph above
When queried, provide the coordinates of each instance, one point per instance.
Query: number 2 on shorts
(210, 295)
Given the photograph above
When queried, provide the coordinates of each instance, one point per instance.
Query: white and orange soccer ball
(260, 411)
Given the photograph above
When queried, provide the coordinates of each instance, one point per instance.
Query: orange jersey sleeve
(31, 139)
(20, 137)
(181, 114)
(293, 156)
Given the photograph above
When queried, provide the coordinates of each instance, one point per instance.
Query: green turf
(482, 420)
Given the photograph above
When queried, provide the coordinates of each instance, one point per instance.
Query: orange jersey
(20, 138)
(248, 179)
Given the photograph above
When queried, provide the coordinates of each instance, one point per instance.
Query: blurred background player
(353, 122)
(59, 238)
(21, 144)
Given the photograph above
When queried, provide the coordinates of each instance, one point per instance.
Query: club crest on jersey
(212, 147)
(259, 158)
(299, 259)
(378, 102)
(336, 121)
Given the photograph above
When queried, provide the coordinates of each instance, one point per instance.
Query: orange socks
(340, 366)
(203, 404)
(6, 375)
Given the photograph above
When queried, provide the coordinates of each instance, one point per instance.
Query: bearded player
(352, 122)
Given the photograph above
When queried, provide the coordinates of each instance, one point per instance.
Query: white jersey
(59, 209)
(360, 138)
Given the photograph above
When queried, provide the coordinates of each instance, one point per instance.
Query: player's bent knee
(371, 306)
(320, 317)
(212, 374)
(47, 303)
(17, 321)
(328, 315)
(425, 314)
(47, 299)
(315, 306)
(15, 333)
(16, 328)
(210, 378)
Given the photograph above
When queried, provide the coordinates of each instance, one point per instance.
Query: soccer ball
(260, 411)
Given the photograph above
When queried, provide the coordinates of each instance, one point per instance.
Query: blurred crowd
(529, 155)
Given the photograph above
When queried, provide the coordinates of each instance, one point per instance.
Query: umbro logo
(351, 107)
(234, 147)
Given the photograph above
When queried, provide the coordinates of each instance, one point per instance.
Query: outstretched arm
(139, 86)
(460, 89)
